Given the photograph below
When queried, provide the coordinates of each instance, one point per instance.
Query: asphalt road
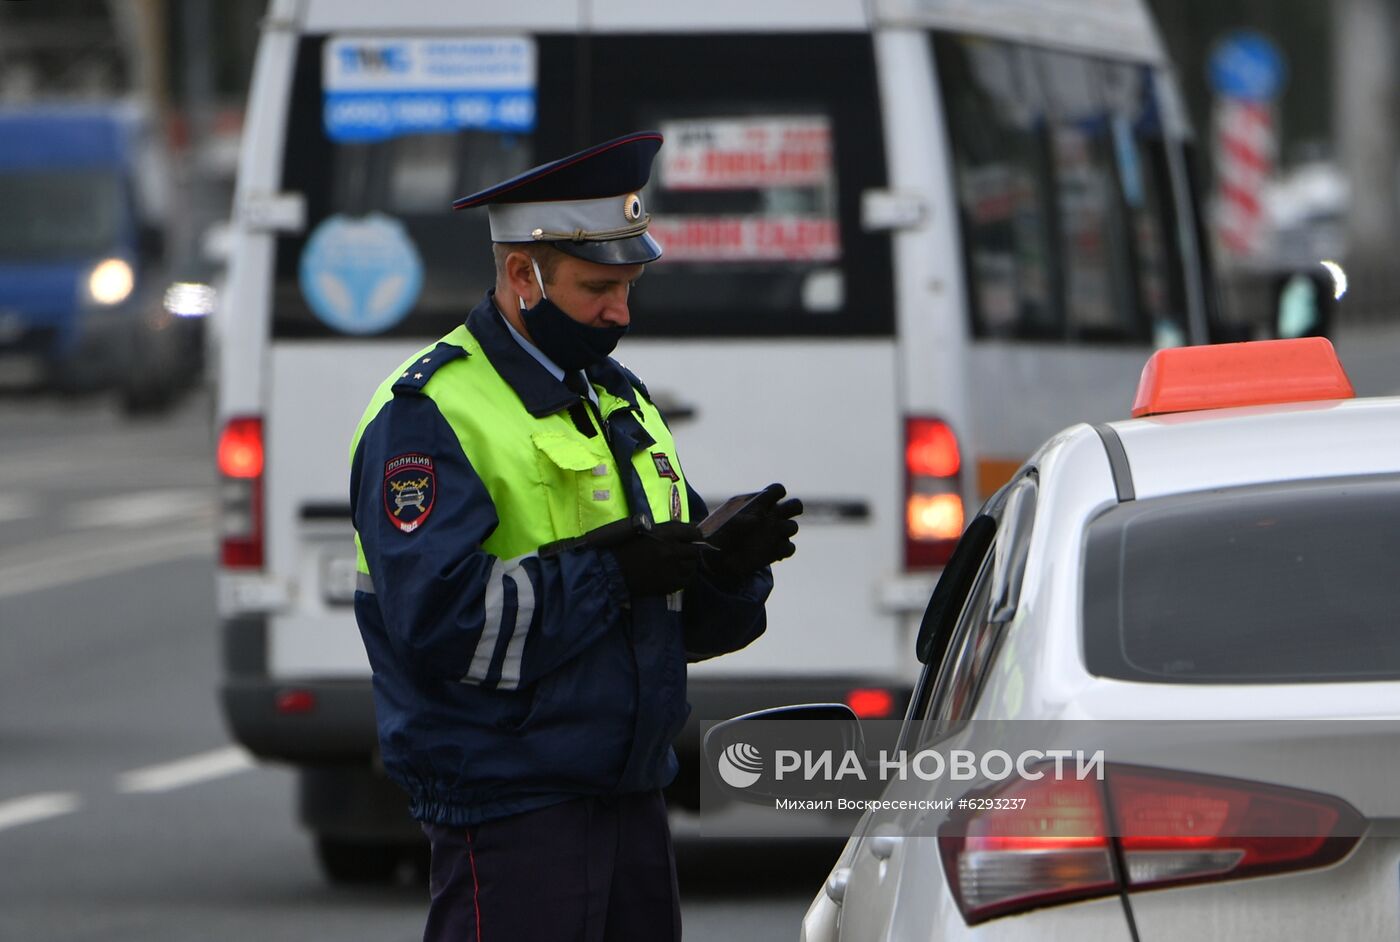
(125, 812)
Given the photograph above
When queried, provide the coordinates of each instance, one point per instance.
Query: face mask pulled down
(571, 345)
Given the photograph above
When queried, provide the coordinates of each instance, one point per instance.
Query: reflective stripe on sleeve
(363, 582)
(524, 614)
(494, 624)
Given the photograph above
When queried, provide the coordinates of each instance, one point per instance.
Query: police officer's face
(591, 293)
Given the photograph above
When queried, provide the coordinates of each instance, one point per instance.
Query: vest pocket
(583, 490)
(566, 452)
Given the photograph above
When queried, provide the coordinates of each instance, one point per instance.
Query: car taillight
(1052, 849)
(870, 703)
(296, 702)
(1050, 843)
(933, 506)
(1179, 828)
(241, 458)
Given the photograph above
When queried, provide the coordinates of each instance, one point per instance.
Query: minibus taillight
(933, 506)
(1048, 841)
(241, 461)
(870, 703)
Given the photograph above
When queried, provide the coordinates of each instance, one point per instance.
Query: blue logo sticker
(1247, 65)
(376, 89)
(361, 276)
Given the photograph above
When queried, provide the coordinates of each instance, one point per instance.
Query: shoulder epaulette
(419, 371)
(636, 383)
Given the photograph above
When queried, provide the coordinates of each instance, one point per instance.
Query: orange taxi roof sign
(1222, 376)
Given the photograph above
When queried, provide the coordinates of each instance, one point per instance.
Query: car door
(958, 642)
(896, 887)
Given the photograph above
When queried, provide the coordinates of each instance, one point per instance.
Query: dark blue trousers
(586, 870)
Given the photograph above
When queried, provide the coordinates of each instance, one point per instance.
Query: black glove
(761, 534)
(660, 560)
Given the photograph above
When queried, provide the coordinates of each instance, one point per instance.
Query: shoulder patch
(416, 375)
(636, 383)
(410, 489)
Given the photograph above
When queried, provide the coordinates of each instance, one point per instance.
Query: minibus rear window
(1287, 583)
(755, 196)
(757, 191)
(1069, 227)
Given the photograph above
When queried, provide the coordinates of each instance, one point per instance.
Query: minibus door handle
(673, 409)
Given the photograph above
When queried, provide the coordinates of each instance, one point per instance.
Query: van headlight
(190, 299)
(110, 282)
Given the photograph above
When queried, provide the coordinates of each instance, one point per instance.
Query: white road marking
(30, 467)
(38, 807)
(14, 507)
(79, 563)
(142, 508)
(182, 772)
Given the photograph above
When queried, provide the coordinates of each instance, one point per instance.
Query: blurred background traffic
(121, 120)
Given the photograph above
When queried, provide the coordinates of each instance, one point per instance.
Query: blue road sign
(1247, 65)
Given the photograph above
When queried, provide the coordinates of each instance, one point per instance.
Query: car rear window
(1293, 583)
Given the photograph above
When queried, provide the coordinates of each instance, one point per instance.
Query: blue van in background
(81, 245)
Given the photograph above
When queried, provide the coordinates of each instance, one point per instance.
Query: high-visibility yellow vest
(547, 479)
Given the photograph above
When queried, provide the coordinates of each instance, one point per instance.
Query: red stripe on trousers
(476, 886)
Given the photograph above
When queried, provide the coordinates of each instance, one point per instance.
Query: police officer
(532, 581)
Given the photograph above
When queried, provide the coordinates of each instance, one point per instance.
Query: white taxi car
(1227, 560)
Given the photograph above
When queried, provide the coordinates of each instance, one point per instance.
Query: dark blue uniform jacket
(591, 701)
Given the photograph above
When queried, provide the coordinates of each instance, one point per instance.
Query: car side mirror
(746, 754)
(1304, 302)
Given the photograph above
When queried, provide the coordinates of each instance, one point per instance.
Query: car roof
(1194, 451)
(1044, 674)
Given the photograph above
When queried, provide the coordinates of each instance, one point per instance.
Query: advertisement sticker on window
(747, 239)
(746, 153)
(381, 88)
(779, 183)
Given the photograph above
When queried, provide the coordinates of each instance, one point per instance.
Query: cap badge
(632, 207)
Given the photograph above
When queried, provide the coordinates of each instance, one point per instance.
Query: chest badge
(663, 466)
(675, 502)
(410, 488)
